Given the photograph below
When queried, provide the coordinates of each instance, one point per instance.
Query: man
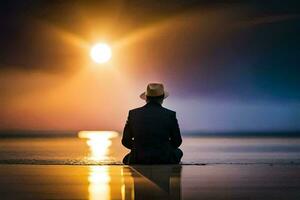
(152, 132)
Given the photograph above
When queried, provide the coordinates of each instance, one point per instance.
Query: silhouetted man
(152, 132)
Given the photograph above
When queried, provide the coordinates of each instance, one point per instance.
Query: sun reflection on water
(99, 179)
(98, 143)
(105, 182)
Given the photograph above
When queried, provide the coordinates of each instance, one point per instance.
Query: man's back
(152, 133)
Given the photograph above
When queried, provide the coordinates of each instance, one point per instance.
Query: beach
(212, 168)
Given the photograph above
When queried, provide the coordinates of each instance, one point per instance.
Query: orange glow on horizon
(78, 91)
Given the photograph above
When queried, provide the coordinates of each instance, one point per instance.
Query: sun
(101, 53)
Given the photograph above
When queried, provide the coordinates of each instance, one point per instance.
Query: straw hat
(154, 90)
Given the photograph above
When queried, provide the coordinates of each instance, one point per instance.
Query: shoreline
(121, 164)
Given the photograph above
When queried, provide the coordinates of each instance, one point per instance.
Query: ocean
(104, 147)
(87, 165)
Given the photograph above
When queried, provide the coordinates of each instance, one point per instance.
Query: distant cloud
(271, 19)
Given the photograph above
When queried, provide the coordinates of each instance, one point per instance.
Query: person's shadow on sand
(164, 181)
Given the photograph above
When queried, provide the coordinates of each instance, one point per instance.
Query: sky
(228, 65)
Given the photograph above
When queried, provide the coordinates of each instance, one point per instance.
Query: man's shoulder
(172, 112)
(134, 110)
(140, 109)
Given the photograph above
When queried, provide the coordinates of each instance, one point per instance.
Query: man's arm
(127, 135)
(175, 133)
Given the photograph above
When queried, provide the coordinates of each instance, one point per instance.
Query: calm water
(64, 168)
(105, 148)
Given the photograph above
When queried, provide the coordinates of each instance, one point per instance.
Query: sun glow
(98, 143)
(101, 53)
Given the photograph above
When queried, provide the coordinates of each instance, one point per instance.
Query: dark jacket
(152, 133)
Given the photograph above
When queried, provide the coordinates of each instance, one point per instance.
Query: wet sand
(150, 182)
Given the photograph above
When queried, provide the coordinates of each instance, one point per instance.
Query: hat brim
(144, 97)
